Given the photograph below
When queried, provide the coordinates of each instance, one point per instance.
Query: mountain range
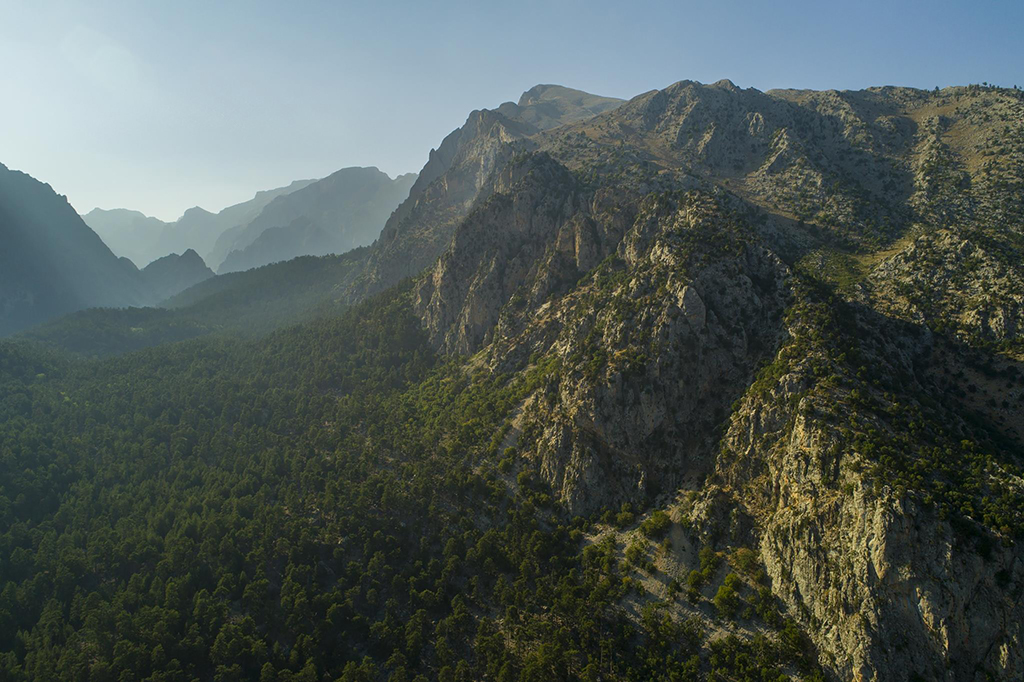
(308, 217)
(144, 239)
(712, 383)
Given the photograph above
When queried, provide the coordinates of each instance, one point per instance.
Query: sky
(163, 105)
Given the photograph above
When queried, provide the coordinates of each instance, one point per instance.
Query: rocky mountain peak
(191, 256)
(725, 84)
(195, 213)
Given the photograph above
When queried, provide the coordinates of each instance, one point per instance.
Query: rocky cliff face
(959, 279)
(653, 356)
(652, 346)
(804, 307)
(494, 251)
(888, 584)
(454, 177)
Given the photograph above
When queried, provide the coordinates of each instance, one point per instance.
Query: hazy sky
(160, 106)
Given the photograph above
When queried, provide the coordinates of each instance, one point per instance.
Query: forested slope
(327, 502)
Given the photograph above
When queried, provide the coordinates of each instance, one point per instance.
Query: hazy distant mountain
(51, 263)
(173, 273)
(144, 239)
(199, 229)
(128, 233)
(341, 212)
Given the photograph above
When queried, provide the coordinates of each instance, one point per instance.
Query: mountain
(52, 263)
(714, 384)
(713, 271)
(341, 212)
(172, 274)
(144, 239)
(249, 304)
(673, 258)
(129, 234)
(550, 106)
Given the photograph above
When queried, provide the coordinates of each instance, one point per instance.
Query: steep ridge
(52, 263)
(822, 160)
(452, 179)
(457, 174)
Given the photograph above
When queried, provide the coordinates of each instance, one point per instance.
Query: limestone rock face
(800, 310)
(493, 251)
(887, 589)
(654, 345)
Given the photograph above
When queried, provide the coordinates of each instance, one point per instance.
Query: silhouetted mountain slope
(51, 263)
(246, 304)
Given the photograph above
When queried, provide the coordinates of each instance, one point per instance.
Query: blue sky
(160, 106)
